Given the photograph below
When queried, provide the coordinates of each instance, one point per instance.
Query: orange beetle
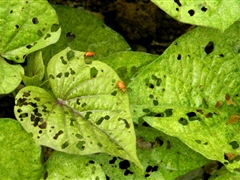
(121, 86)
(89, 54)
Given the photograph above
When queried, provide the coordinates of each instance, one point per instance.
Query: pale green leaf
(20, 156)
(192, 92)
(85, 113)
(26, 26)
(218, 14)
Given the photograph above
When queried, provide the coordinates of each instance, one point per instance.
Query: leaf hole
(178, 2)
(209, 47)
(55, 27)
(29, 46)
(151, 96)
(192, 116)
(155, 102)
(70, 55)
(113, 160)
(23, 115)
(124, 164)
(234, 144)
(58, 134)
(87, 115)
(35, 20)
(127, 125)
(198, 141)
(63, 60)
(79, 136)
(47, 36)
(191, 12)
(80, 145)
(59, 75)
(168, 112)
(70, 37)
(11, 11)
(221, 55)
(72, 72)
(183, 121)
(39, 33)
(66, 74)
(93, 72)
(204, 9)
(17, 26)
(114, 93)
(43, 125)
(26, 94)
(65, 145)
(179, 57)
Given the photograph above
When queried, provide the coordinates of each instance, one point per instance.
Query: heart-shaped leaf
(85, 113)
(26, 26)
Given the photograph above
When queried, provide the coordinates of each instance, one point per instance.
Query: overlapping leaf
(85, 112)
(26, 26)
(84, 32)
(192, 92)
(163, 157)
(212, 13)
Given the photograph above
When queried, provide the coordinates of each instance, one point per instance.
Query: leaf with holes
(61, 165)
(20, 156)
(163, 157)
(10, 76)
(26, 26)
(85, 113)
(211, 13)
(84, 33)
(192, 92)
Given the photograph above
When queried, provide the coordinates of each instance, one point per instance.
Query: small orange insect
(121, 86)
(89, 54)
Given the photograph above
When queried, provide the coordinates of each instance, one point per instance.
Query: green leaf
(35, 69)
(10, 76)
(128, 64)
(20, 156)
(84, 32)
(223, 174)
(163, 157)
(61, 165)
(26, 26)
(192, 92)
(85, 113)
(212, 13)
